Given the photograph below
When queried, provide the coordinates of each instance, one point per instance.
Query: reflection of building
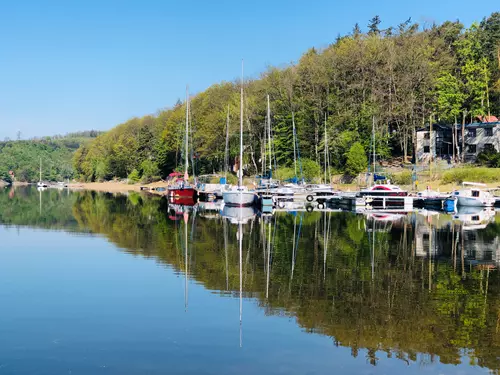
(438, 141)
(438, 237)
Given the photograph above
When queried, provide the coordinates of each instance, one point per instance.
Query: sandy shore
(116, 187)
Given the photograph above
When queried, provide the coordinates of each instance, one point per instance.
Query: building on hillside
(437, 142)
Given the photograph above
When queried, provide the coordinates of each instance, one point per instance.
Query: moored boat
(473, 194)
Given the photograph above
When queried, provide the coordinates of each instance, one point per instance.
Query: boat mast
(294, 144)
(226, 156)
(40, 170)
(240, 180)
(325, 149)
(186, 176)
(374, 153)
(269, 130)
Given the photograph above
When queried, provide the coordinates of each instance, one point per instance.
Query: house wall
(480, 140)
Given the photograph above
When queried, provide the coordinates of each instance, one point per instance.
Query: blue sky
(79, 65)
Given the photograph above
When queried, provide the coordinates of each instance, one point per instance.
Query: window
(471, 148)
(427, 135)
(488, 132)
(471, 133)
(427, 149)
(488, 147)
(475, 193)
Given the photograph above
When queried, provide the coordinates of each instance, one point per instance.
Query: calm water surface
(101, 284)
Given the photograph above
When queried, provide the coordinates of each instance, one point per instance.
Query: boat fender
(309, 208)
(309, 198)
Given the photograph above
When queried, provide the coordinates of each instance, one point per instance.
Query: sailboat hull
(238, 198)
(184, 196)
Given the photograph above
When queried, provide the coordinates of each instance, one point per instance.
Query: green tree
(356, 160)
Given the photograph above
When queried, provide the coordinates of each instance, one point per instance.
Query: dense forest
(390, 81)
(22, 157)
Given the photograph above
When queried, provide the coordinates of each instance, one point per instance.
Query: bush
(471, 174)
(403, 178)
(356, 160)
(310, 169)
(150, 171)
(134, 177)
(489, 158)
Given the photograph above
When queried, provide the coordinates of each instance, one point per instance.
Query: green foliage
(403, 178)
(474, 174)
(150, 171)
(489, 158)
(23, 157)
(310, 169)
(134, 177)
(356, 160)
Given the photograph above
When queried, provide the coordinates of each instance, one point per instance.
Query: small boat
(208, 190)
(239, 195)
(384, 190)
(430, 198)
(471, 195)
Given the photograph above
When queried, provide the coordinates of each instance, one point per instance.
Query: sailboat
(239, 195)
(40, 183)
(181, 192)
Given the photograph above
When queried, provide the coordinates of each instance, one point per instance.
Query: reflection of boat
(473, 218)
(210, 210)
(473, 196)
(238, 214)
(176, 211)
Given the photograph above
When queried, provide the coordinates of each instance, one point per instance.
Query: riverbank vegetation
(22, 157)
(384, 80)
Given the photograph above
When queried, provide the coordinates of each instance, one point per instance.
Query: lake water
(101, 284)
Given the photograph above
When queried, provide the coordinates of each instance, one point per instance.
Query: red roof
(176, 174)
(487, 119)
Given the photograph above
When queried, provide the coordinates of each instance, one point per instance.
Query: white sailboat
(239, 195)
(40, 183)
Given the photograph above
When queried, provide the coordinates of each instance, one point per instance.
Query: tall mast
(326, 144)
(374, 152)
(294, 144)
(187, 134)
(40, 170)
(240, 240)
(226, 156)
(240, 180)
(269, 130)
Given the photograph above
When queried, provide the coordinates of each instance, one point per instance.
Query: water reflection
(420, 287)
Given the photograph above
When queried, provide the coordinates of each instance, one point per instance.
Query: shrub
(403, 178)
(356, 160)
(150, 171)
(489, 158)
(472, 174)
(134, 177)
(310, 169)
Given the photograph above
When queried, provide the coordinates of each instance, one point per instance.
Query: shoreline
(117, 187)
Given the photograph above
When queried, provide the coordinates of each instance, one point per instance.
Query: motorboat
(473, 194)
(209, 190)
(430, 198)
(384, 190)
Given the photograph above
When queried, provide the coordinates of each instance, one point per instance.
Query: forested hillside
(23, 157)
(400, 77)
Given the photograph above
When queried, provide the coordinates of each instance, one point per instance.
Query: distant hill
(23, 157)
